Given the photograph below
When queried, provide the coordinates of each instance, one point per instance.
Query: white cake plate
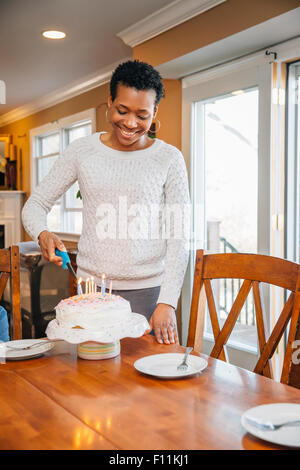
(100, 344)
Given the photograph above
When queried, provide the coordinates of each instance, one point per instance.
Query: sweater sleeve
(177, 225)
(61, 176)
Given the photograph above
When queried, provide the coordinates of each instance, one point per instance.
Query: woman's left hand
(163, 322)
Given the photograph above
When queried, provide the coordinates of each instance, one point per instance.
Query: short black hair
(138, 75)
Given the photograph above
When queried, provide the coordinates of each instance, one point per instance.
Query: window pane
(75, 133)
(73, 222)
(228, 126)
(79, 131)
(44, 166)
(59, 219)
(54, 219)
(78, 222)
(231, 177)
(49, 144)
(71, 201)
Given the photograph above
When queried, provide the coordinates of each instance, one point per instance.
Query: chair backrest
(253, 270)
(10, 270)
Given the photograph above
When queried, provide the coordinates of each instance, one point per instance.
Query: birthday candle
(92, 285)
(79, 289)
(87, 285)
(110, 287)
(103, 284)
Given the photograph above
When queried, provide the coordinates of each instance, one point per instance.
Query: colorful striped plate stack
(93, 350)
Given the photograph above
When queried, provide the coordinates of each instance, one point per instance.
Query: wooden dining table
(59, 401)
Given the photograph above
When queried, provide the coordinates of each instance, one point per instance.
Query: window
(227, 130)
(48, 142)
(226, 115)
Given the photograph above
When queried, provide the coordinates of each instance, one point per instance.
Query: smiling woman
(130, 115)
(135, 92)
(135, 200)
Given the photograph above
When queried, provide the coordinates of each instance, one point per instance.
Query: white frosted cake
(92, 311)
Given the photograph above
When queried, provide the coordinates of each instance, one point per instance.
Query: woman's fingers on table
(166, 333)
(158, 334)
(173, 335)
(163, 322)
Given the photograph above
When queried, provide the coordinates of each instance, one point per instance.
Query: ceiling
(33, 66)
(258, 38)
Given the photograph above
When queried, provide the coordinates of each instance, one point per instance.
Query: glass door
(229, 134)
(227, 137)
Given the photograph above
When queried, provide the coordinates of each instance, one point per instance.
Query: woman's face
(131, 113)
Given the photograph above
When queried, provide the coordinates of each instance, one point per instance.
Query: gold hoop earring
(154, 124)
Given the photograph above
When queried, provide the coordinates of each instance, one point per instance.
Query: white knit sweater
(111, 181)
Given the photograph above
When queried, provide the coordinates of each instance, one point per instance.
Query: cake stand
(103, 343)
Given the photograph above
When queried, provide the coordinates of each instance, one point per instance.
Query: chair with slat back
(253, 270)
(10, 270)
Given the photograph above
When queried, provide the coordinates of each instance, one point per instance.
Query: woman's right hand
(48, 241)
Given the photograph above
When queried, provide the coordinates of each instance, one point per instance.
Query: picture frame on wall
(5, 141)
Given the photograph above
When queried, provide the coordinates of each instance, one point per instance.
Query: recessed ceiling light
(54, 34)
(237, 92)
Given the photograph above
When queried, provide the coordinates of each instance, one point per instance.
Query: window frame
(292, 177)
(61, 126)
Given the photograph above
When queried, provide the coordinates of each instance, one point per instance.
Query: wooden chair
(252, 269)
(10, 269)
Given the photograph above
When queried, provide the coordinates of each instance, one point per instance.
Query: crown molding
(58, 96)
(285, 50)
(164, 19)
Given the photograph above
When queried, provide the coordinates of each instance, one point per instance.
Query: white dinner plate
(14, 355)
(165, 365)
(275, 413)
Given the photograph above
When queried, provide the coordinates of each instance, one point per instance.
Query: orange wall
(20, 130)
(169, 114)
(222, 21)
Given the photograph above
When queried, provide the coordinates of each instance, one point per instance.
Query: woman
(128, 182)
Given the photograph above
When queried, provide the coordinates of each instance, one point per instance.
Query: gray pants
(142, 301)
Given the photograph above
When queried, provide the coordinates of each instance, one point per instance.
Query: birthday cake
(92, 311)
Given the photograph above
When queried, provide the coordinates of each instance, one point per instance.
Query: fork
(31, 346)
(184, 365)
(268, 426)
